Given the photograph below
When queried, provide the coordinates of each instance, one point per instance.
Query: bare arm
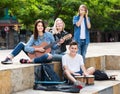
(84, 70)
(87, 21)
(66, 68)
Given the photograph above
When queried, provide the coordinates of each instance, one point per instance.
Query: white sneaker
(7, 61)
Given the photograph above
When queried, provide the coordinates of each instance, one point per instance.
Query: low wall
(112, 62)
(22, 78)
(97, 62)
(12, 80)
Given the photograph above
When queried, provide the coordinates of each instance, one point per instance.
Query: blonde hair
(84, 6)
(55, 23)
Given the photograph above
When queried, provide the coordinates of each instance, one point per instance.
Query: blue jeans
(57, 57)
(82, 48)
(80, 72)
(20, 47)
(42, 59)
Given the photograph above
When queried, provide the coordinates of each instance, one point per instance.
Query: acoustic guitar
(47, 47)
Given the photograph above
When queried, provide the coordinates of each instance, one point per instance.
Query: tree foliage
(104, 14)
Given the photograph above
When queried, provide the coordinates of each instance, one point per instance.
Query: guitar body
(37, 53)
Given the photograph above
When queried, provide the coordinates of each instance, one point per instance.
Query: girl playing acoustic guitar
(36, 43)
(58, 33)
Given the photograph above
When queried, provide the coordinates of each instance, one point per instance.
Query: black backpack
(47, 79)
(47, 76)
(100, 75)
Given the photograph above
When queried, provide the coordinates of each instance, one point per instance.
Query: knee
(66, 72)
(49, 56)
(91, 70)
(22, 44)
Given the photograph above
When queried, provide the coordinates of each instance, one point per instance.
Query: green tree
(104, 14)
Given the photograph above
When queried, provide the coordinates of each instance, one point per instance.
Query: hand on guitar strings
(40, 49)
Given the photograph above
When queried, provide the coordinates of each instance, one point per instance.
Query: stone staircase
(19, 78)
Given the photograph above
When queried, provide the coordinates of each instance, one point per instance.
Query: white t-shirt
(82, 34)
(72, 63)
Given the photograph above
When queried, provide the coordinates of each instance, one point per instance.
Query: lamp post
(6, 29)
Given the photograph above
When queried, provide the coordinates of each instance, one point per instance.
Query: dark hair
(35, 28)
(73, 43)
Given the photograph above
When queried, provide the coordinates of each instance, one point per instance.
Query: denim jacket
(77, 30)
(47, 37)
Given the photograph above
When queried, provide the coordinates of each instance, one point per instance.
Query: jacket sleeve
(28, 47)
(54, 46)
(75, 19)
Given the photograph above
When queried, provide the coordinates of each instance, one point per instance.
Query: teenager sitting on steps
(73, 65)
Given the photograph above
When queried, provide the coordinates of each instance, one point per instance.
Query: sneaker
(7, 61)
(25, 61)
(79, 84)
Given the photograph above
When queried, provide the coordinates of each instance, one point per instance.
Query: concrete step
(105, 62)
(112, 62)
(20, 77)
(17, 78)
(99, 87)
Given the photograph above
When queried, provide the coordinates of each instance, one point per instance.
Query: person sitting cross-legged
(73, 65)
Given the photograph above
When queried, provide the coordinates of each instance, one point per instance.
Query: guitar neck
(68, 36)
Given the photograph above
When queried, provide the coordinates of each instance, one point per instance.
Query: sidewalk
(99, 49)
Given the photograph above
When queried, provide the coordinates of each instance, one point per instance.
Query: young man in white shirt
(73, 65)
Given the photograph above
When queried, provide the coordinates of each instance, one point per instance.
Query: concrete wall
(112, 62)
(97, 62)
(18, 79)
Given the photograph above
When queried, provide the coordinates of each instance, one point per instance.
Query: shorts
(80, 72)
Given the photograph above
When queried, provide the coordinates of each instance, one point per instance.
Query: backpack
(100, 75)
(47, 79)
(47, 76)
